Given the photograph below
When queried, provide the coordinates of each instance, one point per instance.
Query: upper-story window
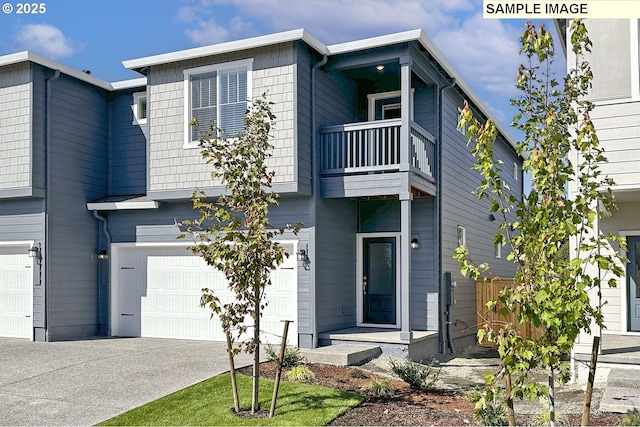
(217, 94)
(461, 129)
(139, 108)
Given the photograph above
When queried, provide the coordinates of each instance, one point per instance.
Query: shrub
(358, 373)
(490, 406)
(417, 375)
(292, 356)
(300, 374)
(544, 419)
(379, 388)
(630, 419)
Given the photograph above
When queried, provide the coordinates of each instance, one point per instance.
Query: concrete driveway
(86, 382)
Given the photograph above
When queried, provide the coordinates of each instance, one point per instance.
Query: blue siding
(79, 154)
(335, 264)
(461, 207)
(127, 174)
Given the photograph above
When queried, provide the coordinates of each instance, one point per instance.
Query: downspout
(314, 192)
(47, 149)
(105, 230)
(442, 321)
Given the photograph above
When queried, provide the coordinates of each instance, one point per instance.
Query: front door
(379, 281)
(633, 282)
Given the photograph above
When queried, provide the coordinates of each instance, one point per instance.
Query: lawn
(209, 403)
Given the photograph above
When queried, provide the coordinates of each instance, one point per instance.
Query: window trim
(462, 129)
(188, 143)
(137, 96)
(380, 96)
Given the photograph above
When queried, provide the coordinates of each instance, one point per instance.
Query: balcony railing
(374, 147)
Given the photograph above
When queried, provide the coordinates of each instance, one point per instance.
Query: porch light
(34, 251)
(302, 255)
(415, 244)
(103, 255)
(380, 67)
(492, 217)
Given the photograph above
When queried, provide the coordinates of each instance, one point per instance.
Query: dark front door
(633, 282)
(379, 281)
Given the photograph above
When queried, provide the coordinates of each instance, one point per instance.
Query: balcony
(365, 159)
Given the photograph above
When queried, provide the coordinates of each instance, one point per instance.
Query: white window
(386, 105)
(216, 94)
(461, 129)
(462, 236)
(516, 171)
(139, 108)
(498, 250)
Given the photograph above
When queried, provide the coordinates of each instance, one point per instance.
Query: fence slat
(488, 291)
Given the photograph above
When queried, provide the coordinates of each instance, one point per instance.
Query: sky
(99, 34)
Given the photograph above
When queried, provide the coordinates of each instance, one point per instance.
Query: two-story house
(614, 61)
(96, 176)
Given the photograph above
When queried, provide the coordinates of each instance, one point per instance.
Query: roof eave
(141, 64)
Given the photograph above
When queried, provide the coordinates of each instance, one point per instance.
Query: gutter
(443, 319)
(315, 185)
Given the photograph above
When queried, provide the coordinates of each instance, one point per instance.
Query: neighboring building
(614, 61)
(367, 156)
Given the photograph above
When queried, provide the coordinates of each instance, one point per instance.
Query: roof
(27, 56)
(116, 203)
(303, 35)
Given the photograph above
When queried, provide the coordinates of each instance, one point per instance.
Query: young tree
(233, 233)
(551, 290)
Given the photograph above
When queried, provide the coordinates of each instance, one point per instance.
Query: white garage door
(158, 289)
(16, 279)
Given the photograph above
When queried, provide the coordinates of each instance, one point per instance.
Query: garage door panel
(16, 304)
(173, 280)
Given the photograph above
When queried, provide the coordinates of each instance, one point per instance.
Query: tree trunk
(592, 375)
(232, 372)
(510, 413)
(255, 402)
(552, 402)
(276, 386)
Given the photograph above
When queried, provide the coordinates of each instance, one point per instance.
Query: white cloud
(46, 40)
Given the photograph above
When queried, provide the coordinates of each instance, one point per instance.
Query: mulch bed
(407, 407)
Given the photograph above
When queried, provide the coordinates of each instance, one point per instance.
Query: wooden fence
(488, 290)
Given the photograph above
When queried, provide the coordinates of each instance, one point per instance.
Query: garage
(16, 301)
(156, 293)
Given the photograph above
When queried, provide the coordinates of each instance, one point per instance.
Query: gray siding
(79, 154)
(302, 125)
(127, 174)
(335, 264)
(171, 166)
(461, 207)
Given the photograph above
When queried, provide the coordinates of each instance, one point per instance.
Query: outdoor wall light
(492, 217)
(34, 251)
(103, 255)
(415, 243)
(302, 255)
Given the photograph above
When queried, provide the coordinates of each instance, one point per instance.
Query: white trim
(233, 46)
(461, 235)
(187, 73)
(27, 244)
(118, 206)
(373, 97)
(634, 57)
(129, 84)
(135, 107)
(359, 267)
(624, 300)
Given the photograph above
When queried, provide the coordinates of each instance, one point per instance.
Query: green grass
(210, 403)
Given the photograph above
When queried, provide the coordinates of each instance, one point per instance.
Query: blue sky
(99, 34)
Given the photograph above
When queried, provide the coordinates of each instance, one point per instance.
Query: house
(96, 176)
(616, 95)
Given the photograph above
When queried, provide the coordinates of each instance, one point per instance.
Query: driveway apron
(86, 382)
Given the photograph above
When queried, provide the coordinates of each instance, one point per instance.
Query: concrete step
(622, 392)
(342, 354)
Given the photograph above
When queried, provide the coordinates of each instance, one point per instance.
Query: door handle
(364, 285)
